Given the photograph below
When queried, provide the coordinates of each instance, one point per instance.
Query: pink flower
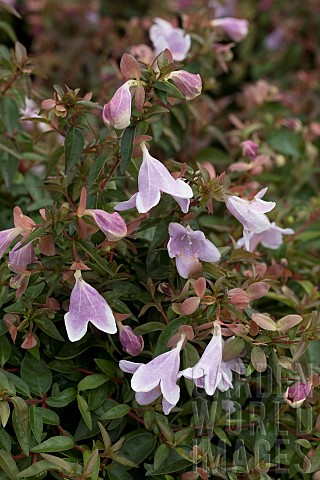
(207, 372)
(271, 238)
(111, 224)
(188, 247)
(154, 178)
(87, 305)
(189, 84)
(21, 256)
(157, 377)
(227, 367)
(237, 29)
(117, 112)
(130, 341)
(297, 393)
(251, 213)
(163, 35)
(23, 226)
(249, 149)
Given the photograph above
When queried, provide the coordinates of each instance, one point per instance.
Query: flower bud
(117, 112)
(130, 341)
(249, 149)
(189, 84)
(297, 393)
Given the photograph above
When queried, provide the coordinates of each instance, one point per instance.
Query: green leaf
(4, 412)
(116, 412)
(20, 421)
(117, 473)
(9, 114)
(169, 88)
(91, 467)
(73, 147)
(20, 385)
(54, 444)
(5, 350)
(126, 148)
(284, 141)
(36, 374)
(139, 446)
(95, 170)
(258, 359)
(36, 422)
(92, 381)
(49, 328)
(8, 465)
(84, 410)
(222, 435)
(160, 455)
(59, 462)
(92, 252)
(37, 469)
(149, 327)
(63, 398)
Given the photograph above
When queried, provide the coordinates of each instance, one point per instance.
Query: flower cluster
(160, 375)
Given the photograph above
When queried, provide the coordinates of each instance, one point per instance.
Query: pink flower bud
(117, 112)
(297, 393)
(189, 84)
(235, 28)
(249, 149)
(130, 341)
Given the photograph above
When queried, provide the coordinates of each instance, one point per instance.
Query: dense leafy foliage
(175, 276)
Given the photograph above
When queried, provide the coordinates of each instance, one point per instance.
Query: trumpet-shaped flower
(21, 256)
(236, 365)
(154, 178)
(271, 238)
(111, 224)
(207, 372)
(23, 225)
(163, 35)
(87, 305)
(236, 28)
(251, 213)
(157, 377)
(188, 247)
(117, 112)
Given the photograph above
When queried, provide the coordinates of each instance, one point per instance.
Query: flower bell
(163, 35)
(154, 178)
(188, 247)
(87, 305)
(157, 377)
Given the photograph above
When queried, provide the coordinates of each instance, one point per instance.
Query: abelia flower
(207, 372)
(131, 342)
(111, 224)
(157, 377)
(23, 226)
(117, 112)
(22, 256)
(154, 178)
(163, 35)
(249, 149)
(237, 29)
(188, 247)
(251, 213)
(271, 238)
(189, 84)
(296, 394)
(87, 305)
(236, 365)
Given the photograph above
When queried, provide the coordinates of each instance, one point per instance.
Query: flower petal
(111, 224)
(129, 367)
(145, 398)
(131, 203)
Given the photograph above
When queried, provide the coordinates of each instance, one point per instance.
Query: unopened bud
(117, 112)
(249, 149)
(297, 393)
(189, 84)
(131, 342)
